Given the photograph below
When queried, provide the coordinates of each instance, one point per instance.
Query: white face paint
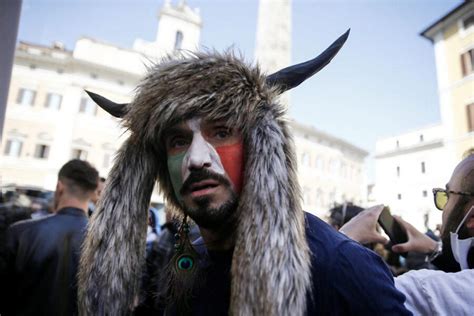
(200, 153)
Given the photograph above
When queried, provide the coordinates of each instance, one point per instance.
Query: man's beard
(212, 218)
(447, 262)
(454, 219)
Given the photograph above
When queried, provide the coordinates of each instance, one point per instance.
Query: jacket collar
(74, 211)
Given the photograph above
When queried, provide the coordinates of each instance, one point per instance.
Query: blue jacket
(42, 261)
(348, 279)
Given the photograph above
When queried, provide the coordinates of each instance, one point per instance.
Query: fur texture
(271, 262)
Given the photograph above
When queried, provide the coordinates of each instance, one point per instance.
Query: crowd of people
(209, 129)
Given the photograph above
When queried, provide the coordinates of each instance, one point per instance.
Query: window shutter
(470, 117)
(464, 64)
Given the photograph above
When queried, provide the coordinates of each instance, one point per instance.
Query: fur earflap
(271, 262)
(113, 252)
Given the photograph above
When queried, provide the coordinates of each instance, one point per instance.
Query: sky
(382, 82)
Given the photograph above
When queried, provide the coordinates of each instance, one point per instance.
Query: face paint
(232, 158)
(200, 153)
(225, 160)
(175, 163)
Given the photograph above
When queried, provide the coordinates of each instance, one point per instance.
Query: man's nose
(199, 153)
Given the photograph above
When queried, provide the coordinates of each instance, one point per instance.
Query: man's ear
(60, 188)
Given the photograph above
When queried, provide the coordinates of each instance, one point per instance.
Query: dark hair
(338, 216)
(79, 176)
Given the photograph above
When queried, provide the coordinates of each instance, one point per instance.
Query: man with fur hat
(210, 129)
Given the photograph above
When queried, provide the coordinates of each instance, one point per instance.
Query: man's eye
(222, 134)
(178, 143)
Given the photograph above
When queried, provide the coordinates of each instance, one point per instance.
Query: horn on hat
(286, 78)
(290, 77)
(115, 109)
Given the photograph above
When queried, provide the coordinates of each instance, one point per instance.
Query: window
(305, 159)
(87, 106)
(319, 163)
(423, 167)
(398, 171)
(42, 151)
(26, 97)
(178, 40)
(399, 196)
(467, 62)
(468, 22)
(307, 195)
(79, 154)
(425, 193)
(470, 117)
(421, 138)
(13, 148)
(53, 101)
(108, 159)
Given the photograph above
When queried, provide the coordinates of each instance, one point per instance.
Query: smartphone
(391, 227)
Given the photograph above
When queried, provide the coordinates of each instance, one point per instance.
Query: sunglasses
(441, 197)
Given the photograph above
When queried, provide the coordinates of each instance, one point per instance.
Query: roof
(327, 137)
(428, 33)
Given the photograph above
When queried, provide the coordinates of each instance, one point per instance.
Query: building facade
(410, 165)
(453, 42)
(330, 170)
(50, 119)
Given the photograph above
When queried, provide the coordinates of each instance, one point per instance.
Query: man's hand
(363, 227)
(417, 241)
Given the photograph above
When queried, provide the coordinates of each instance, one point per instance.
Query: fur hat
(271, 262)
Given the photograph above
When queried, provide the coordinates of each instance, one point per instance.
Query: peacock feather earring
(185, 255)
(182, 270)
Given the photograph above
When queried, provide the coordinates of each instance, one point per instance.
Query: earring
(185, 255)
(183, 273)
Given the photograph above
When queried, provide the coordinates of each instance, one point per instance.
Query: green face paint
(175, 163)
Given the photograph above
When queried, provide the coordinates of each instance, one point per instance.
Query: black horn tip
(115, 109)
(290, 77)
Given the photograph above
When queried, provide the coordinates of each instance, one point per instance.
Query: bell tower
(179, 27)
(273, 43)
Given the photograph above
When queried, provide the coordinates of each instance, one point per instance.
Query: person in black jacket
(42, 255)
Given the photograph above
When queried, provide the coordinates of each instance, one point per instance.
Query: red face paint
(232, 158)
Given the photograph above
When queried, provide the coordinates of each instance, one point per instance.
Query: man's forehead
(194, 123)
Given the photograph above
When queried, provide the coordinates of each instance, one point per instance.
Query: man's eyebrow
(172, 131)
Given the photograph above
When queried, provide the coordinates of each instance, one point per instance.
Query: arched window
(178, 40)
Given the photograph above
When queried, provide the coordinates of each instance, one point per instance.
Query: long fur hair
(271, 262)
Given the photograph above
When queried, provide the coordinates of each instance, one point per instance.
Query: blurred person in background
(42, 255)
(95, 198)
(341, 214)
(427, 291)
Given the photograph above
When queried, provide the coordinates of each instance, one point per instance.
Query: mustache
(201, 175)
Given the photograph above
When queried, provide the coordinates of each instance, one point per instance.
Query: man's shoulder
(321, 236)
(448, 293)
(435, 278)
(330, 248)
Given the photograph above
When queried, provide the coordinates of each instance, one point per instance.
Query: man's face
(205, 162)
(462, 180)
(98, 192)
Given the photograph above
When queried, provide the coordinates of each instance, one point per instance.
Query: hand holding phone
(391, 227)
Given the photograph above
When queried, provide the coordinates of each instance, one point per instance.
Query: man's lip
(198, 185)
(203, 192)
